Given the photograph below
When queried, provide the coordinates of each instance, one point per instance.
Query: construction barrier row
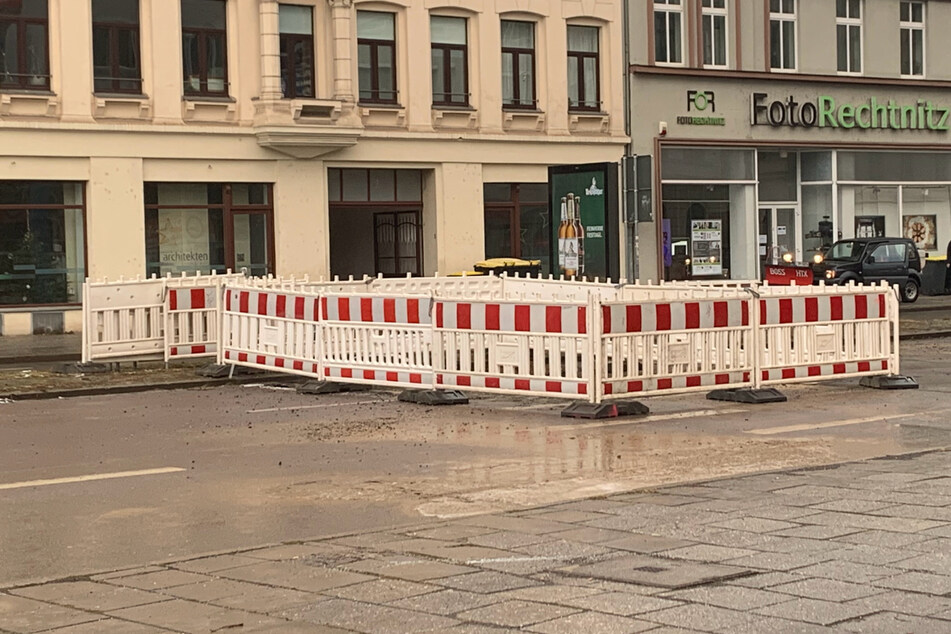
(583, 343)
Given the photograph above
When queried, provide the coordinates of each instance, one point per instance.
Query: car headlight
(817, 258)
(830, 274)
(787, 258)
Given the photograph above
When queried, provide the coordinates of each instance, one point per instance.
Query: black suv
(872, 260)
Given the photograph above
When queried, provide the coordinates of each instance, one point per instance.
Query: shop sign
(583, 208)
(705, 247)
(704, 104)
(826, 112)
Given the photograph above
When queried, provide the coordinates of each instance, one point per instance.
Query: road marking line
(295, 407)
(788, 429)
(89, 478)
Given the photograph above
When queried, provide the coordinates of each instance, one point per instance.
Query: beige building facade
(771, 128)
(320, 137)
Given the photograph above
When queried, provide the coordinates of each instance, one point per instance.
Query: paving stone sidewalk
(861, 547)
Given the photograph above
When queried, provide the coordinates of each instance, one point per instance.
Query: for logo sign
(700, 100)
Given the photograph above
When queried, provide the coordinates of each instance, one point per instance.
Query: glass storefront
(517, 222)
(42, 242)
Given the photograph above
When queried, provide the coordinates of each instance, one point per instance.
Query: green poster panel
(584, 214)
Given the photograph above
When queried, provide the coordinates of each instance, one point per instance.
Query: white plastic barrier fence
(191, 322)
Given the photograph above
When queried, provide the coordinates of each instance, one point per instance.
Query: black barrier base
(748, 395)
(82, 368)
(894, 382)
(215, 371)
(434, 397)
(329, 387)
(613, 409)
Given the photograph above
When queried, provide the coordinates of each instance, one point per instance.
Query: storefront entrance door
(779, 231)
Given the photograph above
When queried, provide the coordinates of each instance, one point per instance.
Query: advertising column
(584, 218)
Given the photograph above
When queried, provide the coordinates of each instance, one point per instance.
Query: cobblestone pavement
(861, 547)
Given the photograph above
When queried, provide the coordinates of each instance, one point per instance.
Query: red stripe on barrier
(415, 378)
(262, 304)
(553, 386)
(765, 375)
(605, 320)
(691, 315)
(464, 316)
(746, 313)
(343, 309)
(523, 384)
(227, 354)
(763, 316)
(492, 318)
(552, 318)
(523, 318)
(346, 373)
(662, 312)
(693, 381)
(812, 309)
(392, 376)
(281, 307)
(173, 352)
(389, 310)
(493, 382)
(172, 299)
(199, 349)
(721, 379)
(369, 375)
(789, 373)
(279, 362)
(785, 311)
(838, 368)
(815, 370)
(721, 314)
(439, 315)
(635, 386)
(366, 309)
(582, 320)
(582, 388)
(865, 366)
(881, 305)
(198, 297)
(243, 357)
(463, 380)
(665, 384)
(884, 365)
(412, 311)
(244, 298)
(228, 301)
(861, 306)
(608, 389)
(835, 308)
(633, 318)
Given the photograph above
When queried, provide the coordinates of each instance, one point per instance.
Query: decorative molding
(523, 120)
(28, 104)
(589, 122)
(209, 111)
(121, 107)
(537, 7)
(455, 119)
(383, 116)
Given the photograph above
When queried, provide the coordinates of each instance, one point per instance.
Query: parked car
(872, 260)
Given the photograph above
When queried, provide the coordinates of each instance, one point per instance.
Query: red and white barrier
(191, 322)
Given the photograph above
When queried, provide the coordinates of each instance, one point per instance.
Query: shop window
(782, 34)
(912, 167)
(517, 223)
(816, 166)
(115, 46)
(376, 56)
(699, 236)
(694, 164)
(848, 27)
(668, 32)
(24, 57)
(912, 24)
(449, 57)
(297, 50)
(817, 225)
(204, 48)
(42, 242)
(207, 227)
(374, 185)
(714, 33)
(777, 172)
(518, 64)
(584, 68)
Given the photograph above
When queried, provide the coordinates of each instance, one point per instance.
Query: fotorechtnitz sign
(869, 114)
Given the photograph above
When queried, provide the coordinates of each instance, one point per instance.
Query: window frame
(22, 77)
(375, 45)
(710, 12)
(116, 80)
(669, 7)
(516, 53)
(446, 51)
(286, 47)
(513, 209)
(584, 104)
(911, 25)
(781, 17)
(203, 34)
(848, 22)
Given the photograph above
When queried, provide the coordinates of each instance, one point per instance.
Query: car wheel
(909, 291)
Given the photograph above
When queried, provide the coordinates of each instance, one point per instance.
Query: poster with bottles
(583, 199)
(705, 247)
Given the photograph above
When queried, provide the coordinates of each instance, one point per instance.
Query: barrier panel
(519, 348)
(675, 346)
(191, 322)
(123, 320)
(377, 339)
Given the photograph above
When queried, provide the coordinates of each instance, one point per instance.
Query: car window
(889, 253)
(848, 251)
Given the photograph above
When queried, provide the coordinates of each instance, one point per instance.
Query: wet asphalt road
(235, 467)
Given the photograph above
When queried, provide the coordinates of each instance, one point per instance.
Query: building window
(24, 58)
(115, 46)
(584, 69)
(209, 227)
(668, 32)
(518, 64)
(517, 223)
(848, 26)
(204, 48)
(450, 55)
(42, 242)
(297, 50)
(376, 52)
(782, 34)
(912, 39)
(714, 33)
